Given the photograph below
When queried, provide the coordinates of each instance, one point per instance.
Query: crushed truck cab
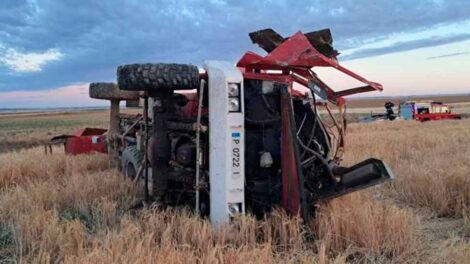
(236, 138)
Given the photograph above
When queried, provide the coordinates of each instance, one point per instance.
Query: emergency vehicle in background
(426, 111)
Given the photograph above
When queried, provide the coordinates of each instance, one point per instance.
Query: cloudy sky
(50, 50)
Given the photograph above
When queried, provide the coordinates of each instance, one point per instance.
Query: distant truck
(426, 111)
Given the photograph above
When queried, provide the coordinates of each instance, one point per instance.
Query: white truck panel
(226, 143)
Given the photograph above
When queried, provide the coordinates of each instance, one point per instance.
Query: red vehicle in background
(426, 111)
(87, 140)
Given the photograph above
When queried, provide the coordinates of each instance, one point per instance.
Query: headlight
(234, 208)
(233, 90)
(233, 105)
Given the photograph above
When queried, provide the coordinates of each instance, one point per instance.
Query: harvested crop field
(73, 209)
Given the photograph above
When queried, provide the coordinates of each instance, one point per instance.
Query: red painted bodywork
(190, 109)
(436, 116)
(82, 141)
(293, 61)
(290, 178)
(295, 58)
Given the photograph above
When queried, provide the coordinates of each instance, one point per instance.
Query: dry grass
(58, 202)
(70, 209)
(34, 166)
(455, 251)
(431, 161)
(362, 225)
(73, 210)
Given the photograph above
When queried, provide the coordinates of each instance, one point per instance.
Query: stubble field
(73, 209)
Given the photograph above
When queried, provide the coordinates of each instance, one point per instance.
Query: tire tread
(158, 77)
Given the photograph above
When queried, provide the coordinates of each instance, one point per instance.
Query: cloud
(96, 36)
(28, 62)
(405, 46)
(337, 11)
(448, 55)
(218, 2)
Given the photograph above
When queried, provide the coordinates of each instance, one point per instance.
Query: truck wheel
(110, 91)
(158, 77)
(131, 161)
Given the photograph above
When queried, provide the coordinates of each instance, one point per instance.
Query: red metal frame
(436, 116)
(295, 58)
(292, 61)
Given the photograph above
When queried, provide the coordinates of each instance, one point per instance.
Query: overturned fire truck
(229, 139)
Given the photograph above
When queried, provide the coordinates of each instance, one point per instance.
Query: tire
(110, 91)
(158, 77)
(131, 161)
